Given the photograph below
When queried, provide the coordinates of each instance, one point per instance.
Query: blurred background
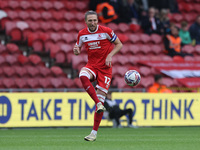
(37, 39)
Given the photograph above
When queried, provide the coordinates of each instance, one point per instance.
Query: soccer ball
(132, 78)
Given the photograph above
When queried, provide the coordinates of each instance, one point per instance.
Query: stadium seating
(51, 28)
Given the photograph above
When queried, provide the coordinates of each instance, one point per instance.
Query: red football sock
(89, 88)
(97, 120)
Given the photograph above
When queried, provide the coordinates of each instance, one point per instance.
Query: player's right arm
(76, 50)
(78, 45)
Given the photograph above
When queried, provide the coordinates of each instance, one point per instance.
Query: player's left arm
(118, 46)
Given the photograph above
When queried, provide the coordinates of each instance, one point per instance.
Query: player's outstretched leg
(85, 77)
(97, 120)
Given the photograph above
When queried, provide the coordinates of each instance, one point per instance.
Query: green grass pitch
(163, 138)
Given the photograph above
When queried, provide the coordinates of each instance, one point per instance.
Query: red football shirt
(98, 44)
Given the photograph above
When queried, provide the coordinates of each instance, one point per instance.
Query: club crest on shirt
(99, 36)
(86, 38)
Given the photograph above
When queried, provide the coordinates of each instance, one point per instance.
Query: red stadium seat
(25, 5)
(133, 59)
(78, 83)
(57, 83)
(113, 26)
(145, 38)
(55, 37)
(146, 49)
(9, 71)
(197, 49)
(76, 61)
(4, 5)
(2, 73)
(188, 49)
(167, 81)
(57, 26)
(157, 49)
(3, 50)
(190, 17)
(33, 83)
(21, 83)
(58, 5)
(23, 15)
(69, 16)
(68, 37)
(146, 82)
(46, 15)
(57, 71)
(36, 5)
(9, 26)
(12, 15)
(1, 84)
(81, 5)
(145, 71)
(16, 34)
(197, 58)
(79, 16)
(120, 82)
(121, 60)
(13, 48)
(125, 49)
(122, 70)
(11, 60)
(44, 71)
(177, 18)
(3, 61)
(189, 58)
(123, 38)
(47, 5)
(134, 38)
(9, 83)
(45, 82)
(35, 60)
(79, 26)
(23, 60)
(58, 15)
(66, 48)
(144, 58)
(60, 57)
(68, 83)
(38, 45)
(155, 58)
(13, 5)
(68, 26)
(33, 71)
(167, 58)
(45, 26)
(54, 49)
(70, 5)
(196, 7)
(178, 58)
(188, 7)
(35, 15)
(34, 26)
(123, 27)
(155, 38)
(135, 27)
(134, 49)
(21, 71)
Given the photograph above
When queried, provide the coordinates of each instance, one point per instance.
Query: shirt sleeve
(79, 42)
(111, 36)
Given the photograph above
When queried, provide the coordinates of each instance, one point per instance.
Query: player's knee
(101, 98)
(84, 73)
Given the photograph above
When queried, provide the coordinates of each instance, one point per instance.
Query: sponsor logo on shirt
(94, 45)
